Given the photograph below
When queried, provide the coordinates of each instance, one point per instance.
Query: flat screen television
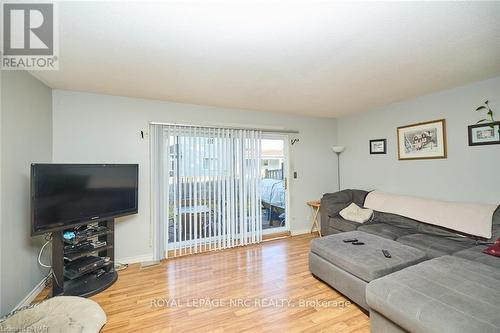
(67, 195)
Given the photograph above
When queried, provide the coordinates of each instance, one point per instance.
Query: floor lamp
(338, 150)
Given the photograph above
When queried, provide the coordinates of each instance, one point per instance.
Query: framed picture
(484, 134)
(422, 141)
(378, 146)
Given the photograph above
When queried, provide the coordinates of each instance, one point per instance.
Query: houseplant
(489, 114)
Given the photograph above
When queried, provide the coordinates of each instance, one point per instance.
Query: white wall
(99, 128)
(26, 137)
(468, 174)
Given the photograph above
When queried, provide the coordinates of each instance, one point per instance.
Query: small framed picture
(378, 146)
(422, 141)
(484, 134)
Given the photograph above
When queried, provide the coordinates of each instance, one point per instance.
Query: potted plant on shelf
(489, 114)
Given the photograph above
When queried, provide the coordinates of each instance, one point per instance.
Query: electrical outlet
(295, 174)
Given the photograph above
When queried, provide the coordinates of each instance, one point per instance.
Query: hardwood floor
(200, 293)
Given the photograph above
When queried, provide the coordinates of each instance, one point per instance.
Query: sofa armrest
(333, 203)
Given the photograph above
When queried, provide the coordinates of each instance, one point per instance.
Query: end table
(315, 206)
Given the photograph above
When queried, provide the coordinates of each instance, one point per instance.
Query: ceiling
(313, 58)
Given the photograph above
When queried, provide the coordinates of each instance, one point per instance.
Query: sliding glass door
(274, 183)
(206, 188)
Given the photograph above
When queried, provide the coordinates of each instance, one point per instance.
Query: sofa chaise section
(446, 294)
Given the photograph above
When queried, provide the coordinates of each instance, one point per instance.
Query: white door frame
(286, 175)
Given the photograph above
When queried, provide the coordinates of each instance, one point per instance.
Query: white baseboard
(300, 231)
(39, 287)
(32, 295)
(135, 259)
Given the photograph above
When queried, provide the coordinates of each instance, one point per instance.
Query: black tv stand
(91, 279)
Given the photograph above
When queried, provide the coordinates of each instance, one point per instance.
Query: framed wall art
(484, 134)
(378, 146)
(425, 140)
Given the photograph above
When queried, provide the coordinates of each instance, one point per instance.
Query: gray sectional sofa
(437, 280)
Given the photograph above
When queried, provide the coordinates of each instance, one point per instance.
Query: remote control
(386, 254)
(350, 240)
(357, 243)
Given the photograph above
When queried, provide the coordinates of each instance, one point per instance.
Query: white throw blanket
(469, 218)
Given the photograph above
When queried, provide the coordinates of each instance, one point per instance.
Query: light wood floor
(266, 273)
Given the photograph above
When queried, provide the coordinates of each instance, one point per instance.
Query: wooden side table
(315, 206)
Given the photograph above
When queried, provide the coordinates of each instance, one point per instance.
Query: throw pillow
(356, 214)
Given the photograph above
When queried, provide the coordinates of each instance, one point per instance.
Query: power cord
(40, 254)
(50, 276)
(120, 267)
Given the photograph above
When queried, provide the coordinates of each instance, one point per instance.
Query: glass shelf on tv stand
(73, 275)
(83, 253)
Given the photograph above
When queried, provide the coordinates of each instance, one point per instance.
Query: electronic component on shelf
(98, 244)
(68, 235)
(94, 229)
(81, 246)
(82, 235)
(99, 273)
(80, 250)
(83, 265)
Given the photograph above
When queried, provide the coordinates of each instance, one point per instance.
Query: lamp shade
(338, 149)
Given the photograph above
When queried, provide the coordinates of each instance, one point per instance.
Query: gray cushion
(365, 261)
(342, 224)
(436, 246)
(384, 230)
(358, 197)
(342, 281)
(381, 324)
(396, 220)
(333, 203)
(476, 254)
(413, 226)
(434, 230)
(329, 231)
(447, 294)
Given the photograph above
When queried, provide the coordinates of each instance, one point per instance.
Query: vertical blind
(205, 188)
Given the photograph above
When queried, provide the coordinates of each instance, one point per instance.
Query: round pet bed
(65, 314)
